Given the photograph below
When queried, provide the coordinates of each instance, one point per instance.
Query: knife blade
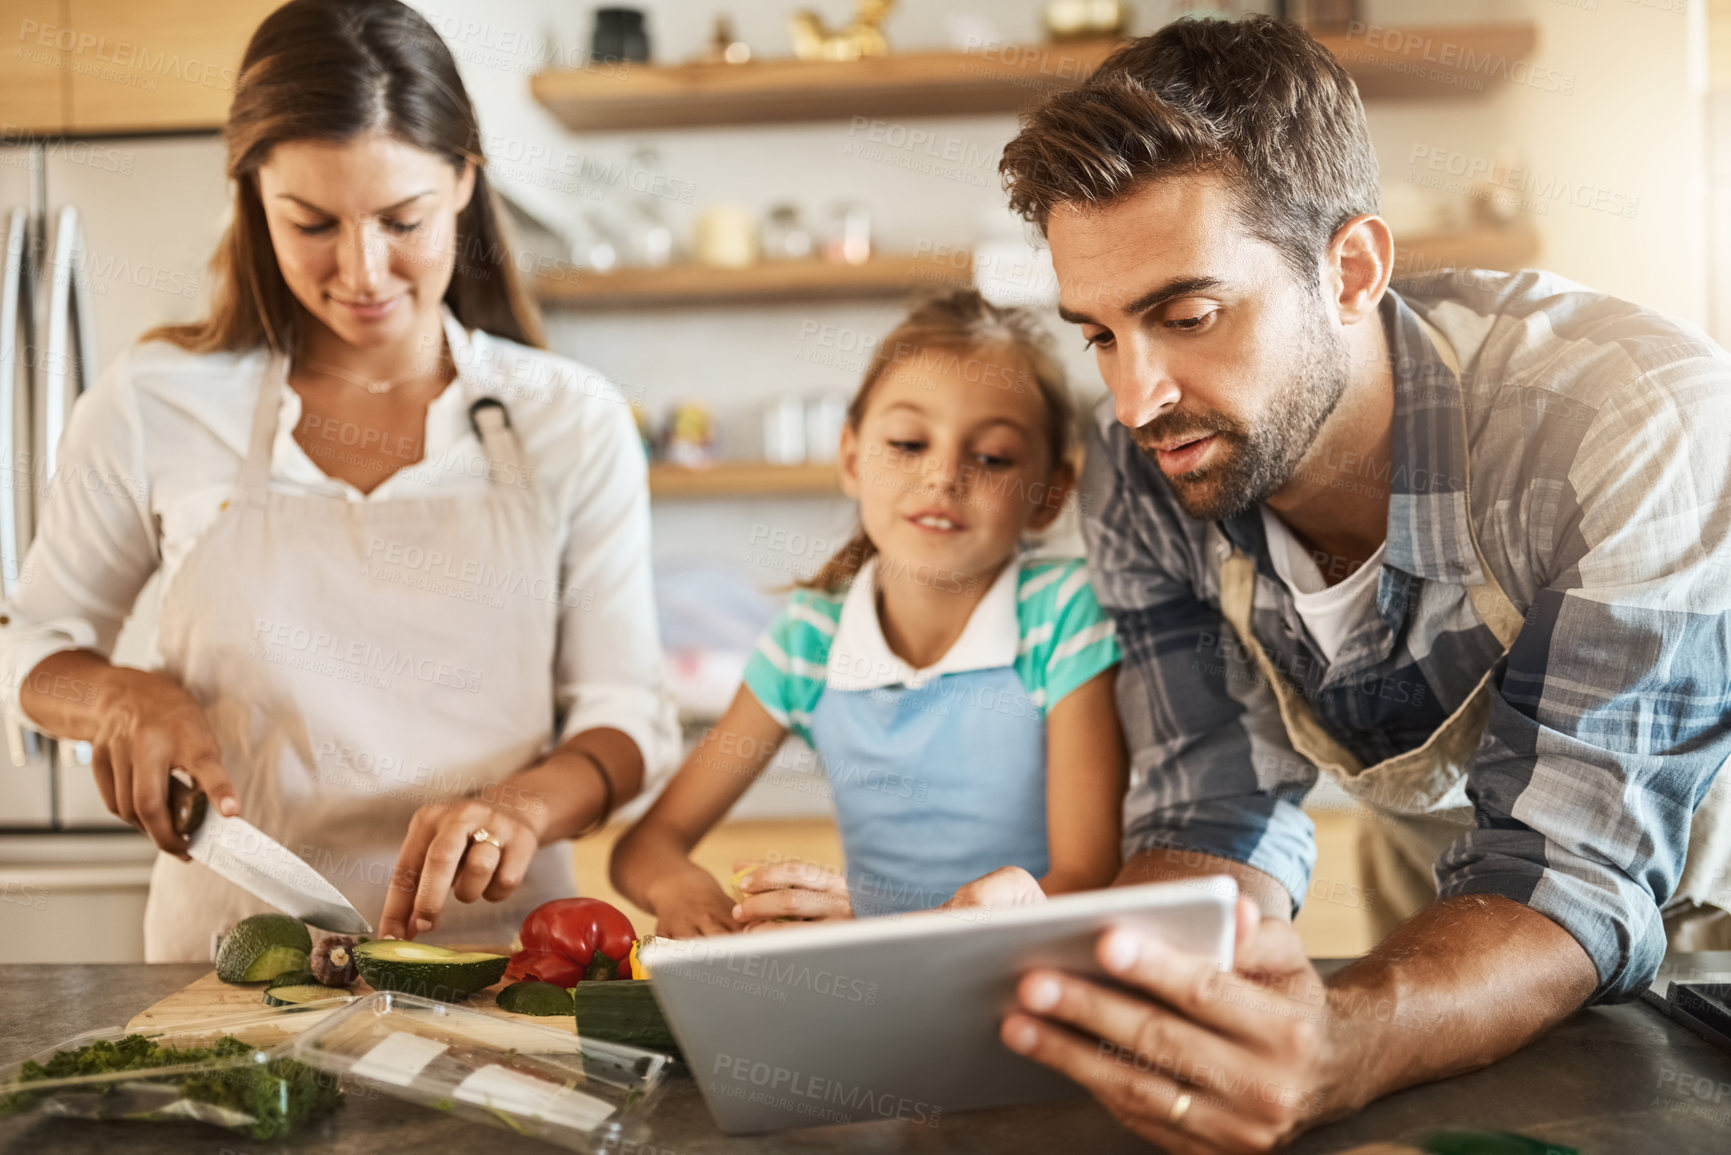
(258, 863)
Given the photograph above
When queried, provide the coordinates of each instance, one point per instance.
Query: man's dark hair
(1256, 101)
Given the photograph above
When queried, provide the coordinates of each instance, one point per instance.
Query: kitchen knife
(258, 863)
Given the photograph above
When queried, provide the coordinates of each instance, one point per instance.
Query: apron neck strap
(499, 440)
(255, 469)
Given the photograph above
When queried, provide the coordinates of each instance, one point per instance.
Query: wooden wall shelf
(888, 275)
(898, 275)
(1445, 61)
(743, 479)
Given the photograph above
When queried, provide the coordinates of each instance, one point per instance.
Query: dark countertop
(1610, 1079)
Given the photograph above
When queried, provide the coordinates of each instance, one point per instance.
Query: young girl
(959, 693)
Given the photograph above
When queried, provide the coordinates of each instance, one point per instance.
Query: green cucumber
(433, 972)
(293, 979)
(262, 947)
(301, 994)
(623, 1011)
(535, 998)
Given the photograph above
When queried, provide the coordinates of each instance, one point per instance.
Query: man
(1464, 548)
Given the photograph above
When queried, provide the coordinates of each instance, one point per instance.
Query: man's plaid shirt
(1600, 445)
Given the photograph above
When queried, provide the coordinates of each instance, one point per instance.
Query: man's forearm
(1458, 986)
(1176, 865)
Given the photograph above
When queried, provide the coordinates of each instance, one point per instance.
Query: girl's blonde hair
(957, 322)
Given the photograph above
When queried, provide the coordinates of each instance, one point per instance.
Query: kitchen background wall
(1603, 137)
(1610, 142)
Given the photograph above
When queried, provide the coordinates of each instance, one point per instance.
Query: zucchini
(623, 1011)
(535, 998)
(301, 994)
(433, 972)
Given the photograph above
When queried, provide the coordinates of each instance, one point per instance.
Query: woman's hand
(787, 893)
(441, 859)
(691, 904)
(147, 725)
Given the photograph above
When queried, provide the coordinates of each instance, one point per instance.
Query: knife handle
(186, 803)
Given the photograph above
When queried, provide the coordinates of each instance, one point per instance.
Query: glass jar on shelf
(785, 237)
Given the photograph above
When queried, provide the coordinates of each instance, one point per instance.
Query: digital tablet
(897, 1017)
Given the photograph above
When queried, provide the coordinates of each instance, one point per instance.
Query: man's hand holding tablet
(1211, 1061)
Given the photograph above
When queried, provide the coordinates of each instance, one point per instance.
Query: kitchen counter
(1610, 1079)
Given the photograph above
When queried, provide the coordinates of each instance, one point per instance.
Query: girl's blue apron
(934, 786)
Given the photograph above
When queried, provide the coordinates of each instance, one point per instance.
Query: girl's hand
(147, 725)
(691, 904)
(1006, 886)
(788, 893)
(441, 858)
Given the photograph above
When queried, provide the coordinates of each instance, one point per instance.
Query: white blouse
(152, 453)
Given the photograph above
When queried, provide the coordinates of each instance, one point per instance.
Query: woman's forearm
(63, 693)
(564, 794)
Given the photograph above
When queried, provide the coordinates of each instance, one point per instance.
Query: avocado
(262, 947)
(433, 972)
(623, 1011)
(535, 998)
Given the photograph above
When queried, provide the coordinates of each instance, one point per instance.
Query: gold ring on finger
(1180, 1108)
(487, 836)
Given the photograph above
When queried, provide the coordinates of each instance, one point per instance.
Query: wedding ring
(487, 836)
(1180, 1108)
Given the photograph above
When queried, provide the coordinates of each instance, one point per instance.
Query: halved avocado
(433, 972)
(260, 948)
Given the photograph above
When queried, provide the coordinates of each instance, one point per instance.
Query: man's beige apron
(353, 669)
(1415, 803)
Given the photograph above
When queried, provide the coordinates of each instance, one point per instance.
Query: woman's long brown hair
(960, 322)
(334, 70)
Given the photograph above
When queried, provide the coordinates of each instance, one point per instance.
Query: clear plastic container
(583, 1094)
(201, 1072)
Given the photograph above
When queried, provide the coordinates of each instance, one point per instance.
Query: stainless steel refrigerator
(103, 238)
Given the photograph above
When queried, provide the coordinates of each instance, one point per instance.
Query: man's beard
(1251, 462)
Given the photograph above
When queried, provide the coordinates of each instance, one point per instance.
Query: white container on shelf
(825, 414)
(784, 440)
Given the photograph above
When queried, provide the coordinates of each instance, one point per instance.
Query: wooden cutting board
(209, 1000)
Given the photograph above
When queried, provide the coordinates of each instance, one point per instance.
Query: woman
(404, 549)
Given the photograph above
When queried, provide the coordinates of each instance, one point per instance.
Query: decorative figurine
(690, 438)
(862, 38)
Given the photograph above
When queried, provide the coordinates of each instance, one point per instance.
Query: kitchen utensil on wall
(620, 34)
(848, 235)
(812, 40)
(725, 236)
(785, 237)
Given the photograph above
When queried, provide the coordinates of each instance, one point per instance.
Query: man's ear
(1358, 265)
(1058, 489)
(847, 462)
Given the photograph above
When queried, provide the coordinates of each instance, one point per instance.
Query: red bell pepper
(571, 939)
